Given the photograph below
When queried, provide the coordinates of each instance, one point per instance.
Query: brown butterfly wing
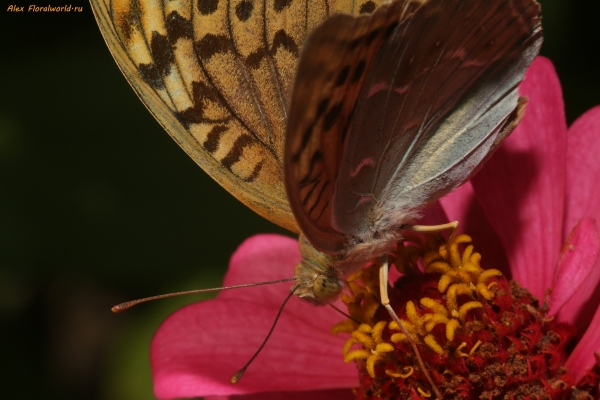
(444, 89)
(331, 73)
(217, 75)
(358, 164)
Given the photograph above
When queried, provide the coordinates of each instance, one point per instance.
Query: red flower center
(479, 335)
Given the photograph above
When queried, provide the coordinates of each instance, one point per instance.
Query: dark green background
(98, 205)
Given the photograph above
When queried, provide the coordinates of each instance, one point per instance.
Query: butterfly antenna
(344, 314)
(238, 375)
(128, 304)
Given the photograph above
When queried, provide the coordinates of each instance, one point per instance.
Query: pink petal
(582, 359)
(582, 194)
(433, 214)
(262, 258)
(583, 168)
(576, 263)
(462, 206)
(198, 348)
(521, 187)
(335, 394)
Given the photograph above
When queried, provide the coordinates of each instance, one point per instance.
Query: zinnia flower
(531, 212)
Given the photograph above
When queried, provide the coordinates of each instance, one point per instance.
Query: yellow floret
(434, 320)
(465, 308)
(434, 306)
(345, 326)
(453, 292)
(451, 327)
(356, 355)
(399, 375)
(431, 342)
(487, 274)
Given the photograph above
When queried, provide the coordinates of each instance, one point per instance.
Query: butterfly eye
(326, 289)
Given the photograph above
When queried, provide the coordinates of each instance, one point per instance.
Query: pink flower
(531, 211)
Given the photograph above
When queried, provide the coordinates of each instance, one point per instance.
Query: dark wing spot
(316, 158)
(315, 183)
(207, 7)
(211, 44)
(322, 107)
(202, 91)
(367, 7)
(305, 139)
(253, 60)
(354, 44)
(332, 116)
(372, 35)
(244, 10)
(211, 144)
(342, 76)
(279, 5)
(151, 76)
(202, 94)
(282, 39)
(162, 53)
(236, 151)
(178, 27)
(316, 203)
(358, 71)
(255, 172)
(125, 21)
(390, 29)
(322, 210)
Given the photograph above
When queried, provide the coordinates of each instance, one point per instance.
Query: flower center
(479, 335)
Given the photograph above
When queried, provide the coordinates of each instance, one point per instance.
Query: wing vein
(258, 104)
(272, 69)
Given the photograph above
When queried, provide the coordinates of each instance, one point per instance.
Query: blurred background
(98, 205)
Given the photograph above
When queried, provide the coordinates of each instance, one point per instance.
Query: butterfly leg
(385, 301)
(435, 228)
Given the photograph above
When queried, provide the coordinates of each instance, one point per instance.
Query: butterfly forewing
(217, 75)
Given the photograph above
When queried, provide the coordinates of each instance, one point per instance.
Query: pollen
(478, 335)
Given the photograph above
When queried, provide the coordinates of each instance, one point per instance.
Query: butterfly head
(319, 281)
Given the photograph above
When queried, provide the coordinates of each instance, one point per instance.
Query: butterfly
(338, 120)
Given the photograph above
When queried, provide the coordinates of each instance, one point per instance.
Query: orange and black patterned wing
(218, 76)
